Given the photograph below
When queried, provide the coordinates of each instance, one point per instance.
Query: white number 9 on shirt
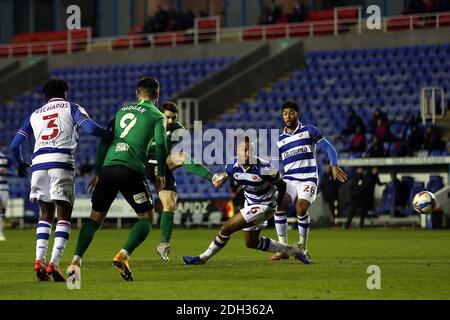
(127, 126)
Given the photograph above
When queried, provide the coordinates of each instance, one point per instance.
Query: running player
(297, 151)
(5, 166)
(120, 167)
(260, 181)
(169, 194)
(55, 128)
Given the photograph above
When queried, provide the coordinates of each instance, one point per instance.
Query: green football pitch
(414, 264)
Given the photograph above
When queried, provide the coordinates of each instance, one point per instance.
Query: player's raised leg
(237, 223)
(181, 159)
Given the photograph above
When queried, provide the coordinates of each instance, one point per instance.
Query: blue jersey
(5, 165)
(258, 182)
(298, 153)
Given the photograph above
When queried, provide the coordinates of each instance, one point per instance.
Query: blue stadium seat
(388, 200)
(436, 183)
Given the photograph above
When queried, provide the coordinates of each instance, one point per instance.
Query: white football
(424, 202)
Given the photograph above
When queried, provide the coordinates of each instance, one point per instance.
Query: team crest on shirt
(301, 135)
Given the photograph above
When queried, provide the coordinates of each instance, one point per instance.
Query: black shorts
(150, 173)
(131, 184)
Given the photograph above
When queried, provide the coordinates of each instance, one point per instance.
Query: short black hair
(170, 106)
(55, 88)
(290, 104)
(148, 86)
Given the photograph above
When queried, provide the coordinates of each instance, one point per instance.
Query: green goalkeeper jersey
(173, 136)
(136, 126)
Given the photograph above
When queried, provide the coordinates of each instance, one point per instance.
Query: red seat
(321, 29)
(444, 20)
(348, 13)
(252, 33)
(402, 23)
(276, 31)
(167, 39)
(320, 15)
(299, 30)
(127, 42)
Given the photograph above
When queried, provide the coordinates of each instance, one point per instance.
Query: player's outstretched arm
(94, 129)
(338, 173)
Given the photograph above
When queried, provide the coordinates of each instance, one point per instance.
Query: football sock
(1, 223)
(137, 235)
(166, 225)
(303, 230)
(43, 231)
(62, 233)
(85, 237)
(270, 245)
(218, 243)
(197, 169)
(281, 226)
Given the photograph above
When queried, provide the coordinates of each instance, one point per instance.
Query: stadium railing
(209, 30)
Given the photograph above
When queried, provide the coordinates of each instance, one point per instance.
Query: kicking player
(169, 195)
(297, 151)
(55, 128)
(120, 167)
(5, 165)
(260, 182)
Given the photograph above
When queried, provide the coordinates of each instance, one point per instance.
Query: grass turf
(414, 264)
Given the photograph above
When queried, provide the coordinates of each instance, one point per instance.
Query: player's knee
(98, 217)
(251, 243)
(146, 215)
(302, 209)
(169, 206)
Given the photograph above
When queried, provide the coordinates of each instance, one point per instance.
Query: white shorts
(258, 214)
(4, 198)
(301, 190)
(53, 184)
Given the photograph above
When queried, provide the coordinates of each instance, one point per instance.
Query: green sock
(137, 234)
(166, 225)
(85, 237)
(197, 169)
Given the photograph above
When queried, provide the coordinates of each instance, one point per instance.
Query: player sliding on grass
(297, 151)
(55, 128)
(169, 195)
(260, 182)
(120, 166)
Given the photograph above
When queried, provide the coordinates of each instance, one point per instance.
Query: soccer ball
(424, 202)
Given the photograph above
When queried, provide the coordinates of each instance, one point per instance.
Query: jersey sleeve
(26, 130)
(79, 114)
(314, 133)
(229, 170)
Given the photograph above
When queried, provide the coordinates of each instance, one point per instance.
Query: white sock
(270, 245)
(1, 223)
(62, 233)
(303, 230)
(281, 226)
(43, 231)
(218, 243)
